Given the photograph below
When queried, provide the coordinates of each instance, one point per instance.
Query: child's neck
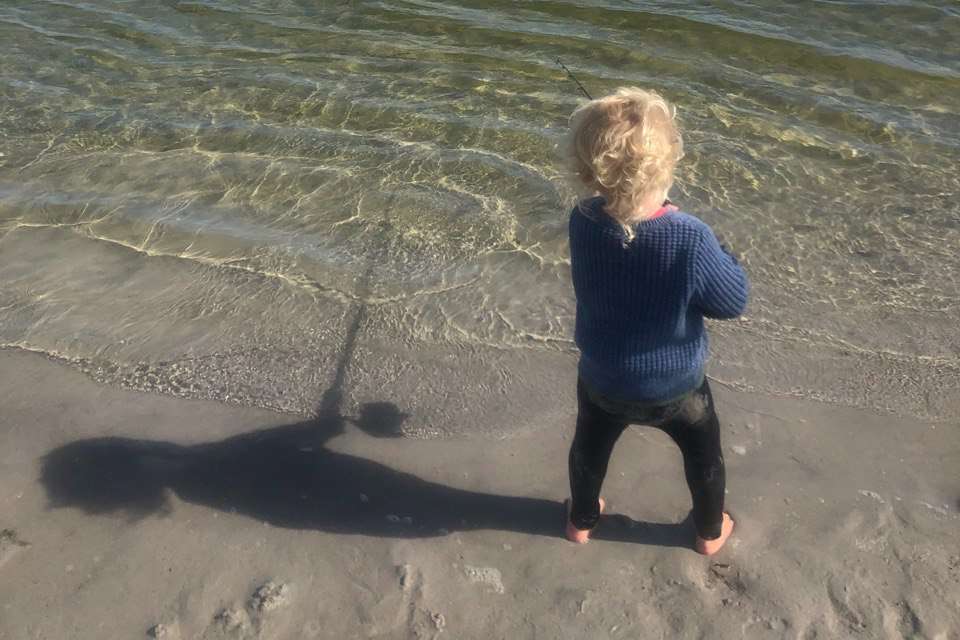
(650, 207)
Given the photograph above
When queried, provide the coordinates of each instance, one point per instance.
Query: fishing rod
(574, 78)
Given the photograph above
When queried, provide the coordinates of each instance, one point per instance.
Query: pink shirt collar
(668, 207)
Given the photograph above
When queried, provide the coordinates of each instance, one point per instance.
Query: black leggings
(692, 423)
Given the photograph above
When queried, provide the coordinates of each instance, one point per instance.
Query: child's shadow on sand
(286, 476)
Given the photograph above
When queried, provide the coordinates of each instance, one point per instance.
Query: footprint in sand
(488, 576)
(165, 632)
(234, 622)
(10, 545)
(270, 597)
(248, 622)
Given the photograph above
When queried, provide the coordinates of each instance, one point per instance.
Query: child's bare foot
(580, 536)
(710, 547)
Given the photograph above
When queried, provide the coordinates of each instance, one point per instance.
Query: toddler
(645, 276)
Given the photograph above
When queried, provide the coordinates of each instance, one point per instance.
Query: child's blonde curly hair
(625, 146)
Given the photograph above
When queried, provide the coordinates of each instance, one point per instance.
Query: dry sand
(127, 515)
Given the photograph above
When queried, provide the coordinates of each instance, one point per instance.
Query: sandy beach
(129, 515)
(287, 324)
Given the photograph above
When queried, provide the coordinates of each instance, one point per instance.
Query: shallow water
(254, 201)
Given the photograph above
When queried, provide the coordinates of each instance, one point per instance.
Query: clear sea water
(255, 201)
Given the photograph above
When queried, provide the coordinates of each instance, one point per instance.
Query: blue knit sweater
(640, 305)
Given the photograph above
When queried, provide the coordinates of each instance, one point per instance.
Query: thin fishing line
(574, 78)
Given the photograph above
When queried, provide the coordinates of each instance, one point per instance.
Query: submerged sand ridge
(211, 521)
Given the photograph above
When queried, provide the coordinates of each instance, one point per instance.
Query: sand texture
(130, 515)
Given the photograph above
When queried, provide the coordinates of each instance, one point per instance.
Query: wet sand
(129, 515)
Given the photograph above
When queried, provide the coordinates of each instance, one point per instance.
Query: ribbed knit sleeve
(721, 286)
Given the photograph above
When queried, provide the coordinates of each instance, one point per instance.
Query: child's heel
(580, 536)
(710, 547)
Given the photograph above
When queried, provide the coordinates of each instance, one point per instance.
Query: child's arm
(721, 285)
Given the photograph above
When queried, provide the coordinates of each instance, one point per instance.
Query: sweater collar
(596, 206)
(668, 207)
